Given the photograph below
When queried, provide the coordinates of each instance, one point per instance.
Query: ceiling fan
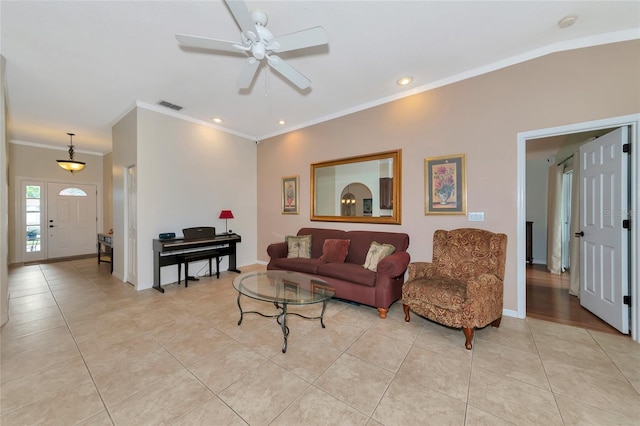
(258, 43)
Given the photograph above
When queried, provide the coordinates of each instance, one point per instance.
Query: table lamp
(226, 214)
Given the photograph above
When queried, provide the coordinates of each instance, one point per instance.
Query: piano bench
(194, 257)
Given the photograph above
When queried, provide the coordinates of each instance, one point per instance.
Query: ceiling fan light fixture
(404, 81)
(71, 165)
(260, 45)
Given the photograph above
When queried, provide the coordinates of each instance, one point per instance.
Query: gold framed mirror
(363, 189)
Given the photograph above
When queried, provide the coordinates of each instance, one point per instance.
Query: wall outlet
(476, 216)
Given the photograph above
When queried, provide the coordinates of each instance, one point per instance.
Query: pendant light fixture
(71, 165)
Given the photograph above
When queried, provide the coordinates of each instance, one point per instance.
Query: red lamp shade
(226, 214)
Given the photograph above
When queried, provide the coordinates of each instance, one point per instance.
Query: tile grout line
(78, 347)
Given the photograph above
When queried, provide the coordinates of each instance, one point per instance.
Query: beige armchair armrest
(421, 270)
(482, 285)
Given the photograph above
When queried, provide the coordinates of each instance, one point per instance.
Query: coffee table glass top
(285, 287)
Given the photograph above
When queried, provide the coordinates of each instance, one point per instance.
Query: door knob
(579, 234)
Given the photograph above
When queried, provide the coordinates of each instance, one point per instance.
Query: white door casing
(71, 219)
(604, 279)
(132, 226)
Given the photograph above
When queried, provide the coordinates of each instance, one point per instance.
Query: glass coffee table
(283, 288)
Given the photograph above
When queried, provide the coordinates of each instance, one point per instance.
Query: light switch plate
(476, 216)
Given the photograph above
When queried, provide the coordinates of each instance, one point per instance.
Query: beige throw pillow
(299, 246)
(376, 253)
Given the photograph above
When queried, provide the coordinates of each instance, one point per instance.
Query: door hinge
(626, 300)
(626, 148)
(626, 224)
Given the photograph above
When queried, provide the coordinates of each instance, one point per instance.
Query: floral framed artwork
(290, 189)
(445, 185)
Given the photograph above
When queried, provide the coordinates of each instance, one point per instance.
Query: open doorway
(633, 125)
(548, 275)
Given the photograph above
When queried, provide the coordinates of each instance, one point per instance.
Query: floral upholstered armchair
(462, 287)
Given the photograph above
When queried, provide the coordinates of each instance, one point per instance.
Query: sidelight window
(33, 215)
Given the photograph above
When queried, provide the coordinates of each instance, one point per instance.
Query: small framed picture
(445, 184)
(290, 189)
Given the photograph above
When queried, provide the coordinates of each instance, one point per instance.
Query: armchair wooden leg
(383, 312)
(468, 334)
(406, 313)
(496, 323)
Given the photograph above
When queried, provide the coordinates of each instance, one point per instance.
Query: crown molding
(591, 41)
(56, 148)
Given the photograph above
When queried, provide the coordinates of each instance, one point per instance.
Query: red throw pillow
(334, 250)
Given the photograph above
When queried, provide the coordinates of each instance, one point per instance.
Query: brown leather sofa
(351, 280)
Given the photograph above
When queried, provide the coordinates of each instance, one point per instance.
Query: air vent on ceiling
(170, 105)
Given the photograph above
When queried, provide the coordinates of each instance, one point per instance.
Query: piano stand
(179, 251)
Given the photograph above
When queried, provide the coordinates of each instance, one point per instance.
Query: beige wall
(479, 117)
(186, 174)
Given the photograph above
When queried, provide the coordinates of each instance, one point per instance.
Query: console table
(105, 248)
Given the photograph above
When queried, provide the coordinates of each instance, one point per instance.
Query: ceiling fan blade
(287, 71)
(248, 73)
(208, 43)
(315, 36)
(242, 16)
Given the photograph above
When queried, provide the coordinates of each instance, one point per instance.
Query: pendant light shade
(71, 165)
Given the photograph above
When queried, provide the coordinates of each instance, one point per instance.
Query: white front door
(72, 219)
(604, 245)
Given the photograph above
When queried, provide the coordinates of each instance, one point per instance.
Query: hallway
(548, 299)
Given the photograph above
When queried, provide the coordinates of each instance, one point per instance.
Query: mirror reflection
(357, 189)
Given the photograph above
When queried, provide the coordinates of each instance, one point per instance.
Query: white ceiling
(78, 66)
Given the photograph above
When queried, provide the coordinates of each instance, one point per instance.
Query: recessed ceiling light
(217, 120)
(281, 122)
(404, 81)
(567, 21)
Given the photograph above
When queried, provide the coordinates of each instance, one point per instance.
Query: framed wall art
(445, 182)
(290, 189)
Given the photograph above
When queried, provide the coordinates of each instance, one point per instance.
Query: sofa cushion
(348, 272)
(299, 246)
(334, 250)
(319, 235)
(361, 240)
(296, 264)
(377, 252)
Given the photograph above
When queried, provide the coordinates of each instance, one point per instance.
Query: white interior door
(604, 245)
(132, 226)
(72, 219)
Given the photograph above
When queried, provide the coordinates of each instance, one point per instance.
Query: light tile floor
(83, 348)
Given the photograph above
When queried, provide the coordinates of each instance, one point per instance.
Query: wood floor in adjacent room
(548, 299)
